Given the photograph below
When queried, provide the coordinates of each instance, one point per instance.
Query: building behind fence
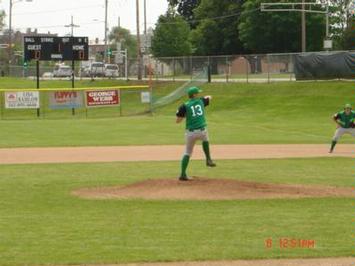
(229, 68)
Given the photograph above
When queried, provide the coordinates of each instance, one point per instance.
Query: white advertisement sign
(145, 97)
(22, 100)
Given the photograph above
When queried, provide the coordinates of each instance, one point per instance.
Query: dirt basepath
(166, 153)
(273, 262)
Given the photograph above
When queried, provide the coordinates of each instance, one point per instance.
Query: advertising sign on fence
(102, 98)
(65, 99)
(22, 100)
(145, 97)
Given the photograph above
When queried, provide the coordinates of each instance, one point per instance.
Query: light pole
(106, 11)
(10, 29)
(139, 49)
(145, 18)
(105, 44)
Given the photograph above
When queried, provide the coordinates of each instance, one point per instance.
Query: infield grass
(41, 223)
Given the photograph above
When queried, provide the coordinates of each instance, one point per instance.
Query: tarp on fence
(325, 66)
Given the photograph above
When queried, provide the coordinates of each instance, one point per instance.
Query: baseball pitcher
(345, 124)
(194, 112)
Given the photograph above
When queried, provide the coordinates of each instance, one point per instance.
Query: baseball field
(102, 191)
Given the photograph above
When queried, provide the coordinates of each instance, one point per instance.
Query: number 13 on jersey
(196, 110)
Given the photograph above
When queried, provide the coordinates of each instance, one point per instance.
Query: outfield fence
(224, 68)
(248, 68)
(95, 102)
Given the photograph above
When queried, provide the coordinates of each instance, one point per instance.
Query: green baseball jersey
(346, 121)
(194, 112)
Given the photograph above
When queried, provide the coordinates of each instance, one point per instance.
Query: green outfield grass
(41, 223)
(290, 112)
(25, 83)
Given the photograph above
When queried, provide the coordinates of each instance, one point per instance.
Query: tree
(171, 36)
(217, 29)
(341, 20)
(128, 41)
(185, 8)
(348, 36)
(279, 32)
(3, 52)
(2, 19)
(341, 12)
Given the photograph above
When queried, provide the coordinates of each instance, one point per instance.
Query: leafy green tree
(348, 37)
(267, 32)
(171, 36)
(341, 22)
(2, 19)
(341, 13)
(217, 29)
(185, 8)
(3, 52)
(128, 41)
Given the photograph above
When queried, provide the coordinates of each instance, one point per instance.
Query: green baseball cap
(193, 90)
(348, 105)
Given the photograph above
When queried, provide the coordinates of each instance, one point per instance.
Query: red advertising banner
(102, 98)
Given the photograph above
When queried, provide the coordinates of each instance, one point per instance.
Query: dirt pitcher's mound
(209, 189)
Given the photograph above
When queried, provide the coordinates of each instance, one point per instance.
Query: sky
(53, 15)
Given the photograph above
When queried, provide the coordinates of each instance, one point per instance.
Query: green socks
(206, 149)
(333, 145)
(185, 160)
(184, 164)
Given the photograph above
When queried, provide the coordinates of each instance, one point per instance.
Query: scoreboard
(44, 48)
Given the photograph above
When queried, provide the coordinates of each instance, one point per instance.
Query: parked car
(62, 71)
(84, 71)
(97, 69)
(111, 70)
(47, 75)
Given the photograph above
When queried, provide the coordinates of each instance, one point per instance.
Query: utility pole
(106, 50)
(327, 22)
(145, 37)
(10, 35)
(303, 28)
(145, 18)
(72, 26)
(139, 50)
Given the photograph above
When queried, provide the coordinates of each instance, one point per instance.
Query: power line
(211, 18)
(58, 26)
(56, 10)
(150, 23)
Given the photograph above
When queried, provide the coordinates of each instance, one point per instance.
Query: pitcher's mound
(209, 189)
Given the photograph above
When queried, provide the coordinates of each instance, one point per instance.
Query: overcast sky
(52, 15)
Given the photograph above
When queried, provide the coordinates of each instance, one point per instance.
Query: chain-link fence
(236, 68)
(248, 68)
(229, 68)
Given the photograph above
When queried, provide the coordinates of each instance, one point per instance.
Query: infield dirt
(209, 189)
